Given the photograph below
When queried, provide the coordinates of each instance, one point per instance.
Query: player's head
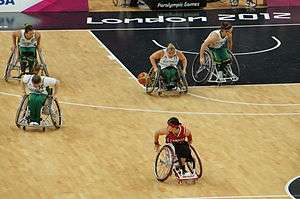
(171, 50)
(173, 123)
(29, 29)
(36, 81)
(226, 26)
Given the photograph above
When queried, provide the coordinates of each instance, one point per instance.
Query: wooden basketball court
(247, 136)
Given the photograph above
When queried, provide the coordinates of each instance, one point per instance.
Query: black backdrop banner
(175, 4)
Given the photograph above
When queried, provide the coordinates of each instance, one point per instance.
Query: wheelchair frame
(172, 162)
(155, 82)
(13, 63)
(211, 73)
(47, 114)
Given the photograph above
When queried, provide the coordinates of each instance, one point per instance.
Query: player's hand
(13, 48)
(229, 35)
(155, 69)
(202, 60)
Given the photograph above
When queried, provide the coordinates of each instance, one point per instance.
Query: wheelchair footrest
(185, 176)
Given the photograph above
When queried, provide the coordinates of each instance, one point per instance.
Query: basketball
(143, 78)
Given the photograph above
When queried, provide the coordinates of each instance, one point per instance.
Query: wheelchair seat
(50, 114)
(157, 84)
(13, 66)
(166, 162)
(227, 71)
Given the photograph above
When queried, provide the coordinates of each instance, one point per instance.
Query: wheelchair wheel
(8, 67)
(42, 63)
(164, 163)
(182, 81)
(234, 68)
(196, 163)
(152, 81)
(55, 114)
(202, 72)
(22, 111)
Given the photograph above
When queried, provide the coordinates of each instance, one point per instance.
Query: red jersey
(171, 137)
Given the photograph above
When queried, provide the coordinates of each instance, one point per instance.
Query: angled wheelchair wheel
(164, 163)
(42, 63)
(182, 81)
(152, 82)
(196, 163)
(233, 69)
(55, 114)
(9, 67)
(22, 112)
(201, 73)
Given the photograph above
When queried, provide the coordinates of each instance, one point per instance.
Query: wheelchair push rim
(235, 67)
(198, 164)
(182, 81)
(163, 163)
(22, 110)
(9, 67)
(201, 73)
(55, 114)
(152, 81)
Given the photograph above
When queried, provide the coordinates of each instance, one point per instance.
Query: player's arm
(183, 60)
(154, 57)
(210, 40)
(229, 41)
(38, 39)
(15, 36)
(52, 82)
(24, 81)
(159, 133)
(189, 136)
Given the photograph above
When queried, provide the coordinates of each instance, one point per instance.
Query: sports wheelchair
(13, 66)
(156, 82)
(50, 114)
(210, 70)
(166, 161)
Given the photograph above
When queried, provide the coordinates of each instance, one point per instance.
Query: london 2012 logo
(190, 19)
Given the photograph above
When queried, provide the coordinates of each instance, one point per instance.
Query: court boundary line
(233, 197)
(240, 103)
(165, 111)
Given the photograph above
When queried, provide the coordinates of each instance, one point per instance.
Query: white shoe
(186, 174)
(34, 124)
